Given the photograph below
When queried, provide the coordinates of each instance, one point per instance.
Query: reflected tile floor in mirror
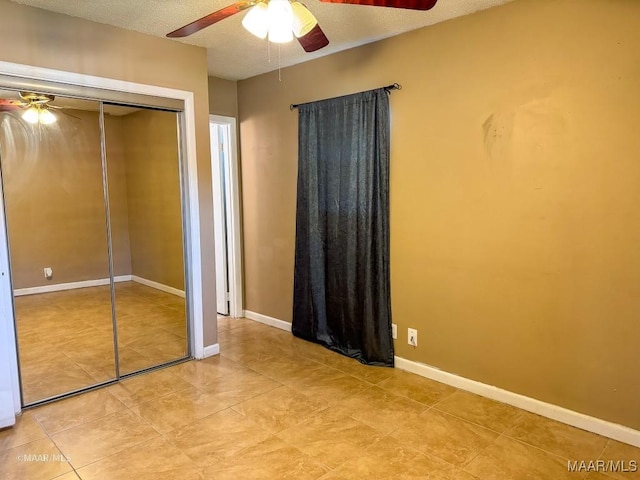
(271, 406)
(65, 338)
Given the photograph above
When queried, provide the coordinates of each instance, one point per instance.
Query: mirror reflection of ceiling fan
(281, 20)
(36, 107)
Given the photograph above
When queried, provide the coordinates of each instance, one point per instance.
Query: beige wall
(37, 37)
(514, 194)
(223, 97)
(55, 204)
(153, 196)
(118, 201)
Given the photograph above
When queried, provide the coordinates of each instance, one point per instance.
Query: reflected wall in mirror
(144, 178)
(54, 201)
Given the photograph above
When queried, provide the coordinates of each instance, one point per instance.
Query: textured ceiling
(234, 53)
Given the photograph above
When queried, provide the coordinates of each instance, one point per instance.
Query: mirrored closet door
(93, 201)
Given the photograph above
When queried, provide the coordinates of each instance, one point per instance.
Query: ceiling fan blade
(409, 4)
(210, 19)
(7, 105)
(314, 40)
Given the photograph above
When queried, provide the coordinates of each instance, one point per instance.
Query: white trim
(211, 350)
(10, 401)
(158, 286)
(195, 270)
(58, 287)
(234, 237)
(273, 322)
(564, 415)
(195, 254)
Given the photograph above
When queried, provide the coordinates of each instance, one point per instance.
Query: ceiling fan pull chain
(279, 69)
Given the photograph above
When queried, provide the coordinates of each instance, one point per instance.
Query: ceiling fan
(281, 20)
(36, 107)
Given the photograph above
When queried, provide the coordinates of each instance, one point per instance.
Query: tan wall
(118, 201)
(223, 97)
(55, 203)
(37, 37)
(514, 194)
(153, 196)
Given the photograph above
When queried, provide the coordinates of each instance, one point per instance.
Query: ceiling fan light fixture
(303, 19)
(31, 115)
(256, 21)
(280, 17)
(46, 117)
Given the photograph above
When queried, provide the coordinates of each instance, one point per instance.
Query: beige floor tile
(290, 369)
(390, 460)
(622, 454)
(179, 409)
(597, 476)
(216, 437)
(555, 437)
(68, 476)
(462, 475)
(238, 387)
(381, 410)
(278, 409)
(201, 373)
(270, 459)
(52, 377)
(66, 338)
(331, 388)
(508, 459)
(153, 460)
(74, 411)
(26, 430)
(482, 411)
(331, 437)
(224, 323)
(449, 438)
(353, 367)
(416, 388)
(149, 386)
(248, 351)
(101, 438)
(38, 460)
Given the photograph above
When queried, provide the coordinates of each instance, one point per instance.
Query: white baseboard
(211, 350)
(158, 286)
(58, 287)
(564, 415)
(273, 322)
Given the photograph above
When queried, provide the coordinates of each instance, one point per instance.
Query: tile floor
(275, 407)
(66, 338)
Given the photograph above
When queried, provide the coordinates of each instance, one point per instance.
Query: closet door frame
(9, 370)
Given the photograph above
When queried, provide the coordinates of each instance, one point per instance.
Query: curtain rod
(388, 88)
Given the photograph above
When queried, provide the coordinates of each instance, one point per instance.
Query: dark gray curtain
(341, 284)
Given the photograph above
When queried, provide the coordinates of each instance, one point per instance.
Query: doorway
(226, 215)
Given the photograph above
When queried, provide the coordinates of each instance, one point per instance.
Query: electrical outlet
(48, 273)
(412, 337)
(394, 331)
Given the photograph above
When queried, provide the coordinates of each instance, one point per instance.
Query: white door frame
(194, 255)
(10, 401)
(234, 235)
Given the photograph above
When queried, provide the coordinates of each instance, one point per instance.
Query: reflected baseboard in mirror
(65, 338)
